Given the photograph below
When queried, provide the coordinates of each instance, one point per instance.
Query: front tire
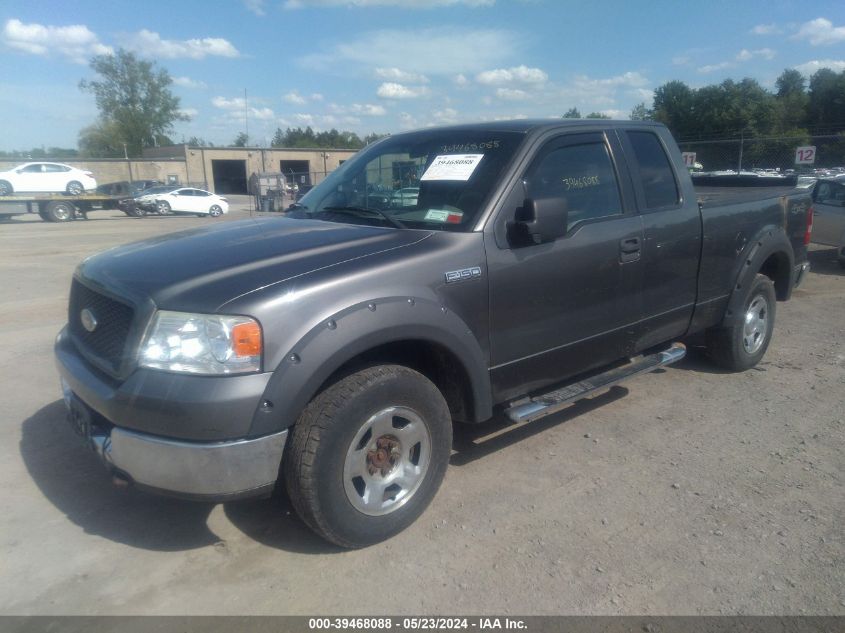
(742, 345)
(75, 188)
(215, 211)
(163, 207)
(368, 455)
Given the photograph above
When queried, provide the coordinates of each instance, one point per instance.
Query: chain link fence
(803, 154)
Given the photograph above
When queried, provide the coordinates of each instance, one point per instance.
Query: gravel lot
(688, 491)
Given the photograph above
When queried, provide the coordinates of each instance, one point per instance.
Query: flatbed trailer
(58, 207)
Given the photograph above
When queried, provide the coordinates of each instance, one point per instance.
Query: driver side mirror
(540, 220)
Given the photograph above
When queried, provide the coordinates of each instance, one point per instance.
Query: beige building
(219, 169)
(227, 169)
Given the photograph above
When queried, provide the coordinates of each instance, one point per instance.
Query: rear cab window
(653, 172)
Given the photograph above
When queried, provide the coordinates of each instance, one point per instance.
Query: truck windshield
(431, 180)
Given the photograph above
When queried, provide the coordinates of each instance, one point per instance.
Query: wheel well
(777, 268)
(433, 361)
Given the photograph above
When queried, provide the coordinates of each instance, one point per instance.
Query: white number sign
(689, 159)
(805, 155)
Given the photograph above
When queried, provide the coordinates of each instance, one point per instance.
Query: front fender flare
(350, 332)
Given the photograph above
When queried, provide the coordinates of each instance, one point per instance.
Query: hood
(201, 269)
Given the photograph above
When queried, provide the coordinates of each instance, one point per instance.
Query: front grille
(114, 319)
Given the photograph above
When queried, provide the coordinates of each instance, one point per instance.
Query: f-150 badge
(463, 275)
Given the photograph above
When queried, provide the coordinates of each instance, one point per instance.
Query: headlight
(202, 344)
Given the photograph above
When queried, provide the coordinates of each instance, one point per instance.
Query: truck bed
(710, 196)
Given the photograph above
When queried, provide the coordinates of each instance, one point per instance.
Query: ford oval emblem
(89, 321)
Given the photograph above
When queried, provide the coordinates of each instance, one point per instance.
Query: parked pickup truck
(329, 350)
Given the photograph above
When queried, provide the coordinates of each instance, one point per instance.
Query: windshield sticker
(444, 215)
(452, 167)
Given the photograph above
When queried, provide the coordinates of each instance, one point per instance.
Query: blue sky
(389, 65)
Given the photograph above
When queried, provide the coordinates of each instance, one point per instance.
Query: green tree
(572, 113)
(826, 107)
(103, 139)
(196, 141)
(791, 101)
(596, 115)
(241, 140)
(641, 113)
(135, 103)
(673, 106)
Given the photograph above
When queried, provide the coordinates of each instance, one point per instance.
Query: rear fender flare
(768, 241)
(349, 333)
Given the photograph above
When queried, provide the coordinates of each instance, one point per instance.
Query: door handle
(629, 249)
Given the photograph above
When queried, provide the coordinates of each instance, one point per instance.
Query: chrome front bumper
(203, 470)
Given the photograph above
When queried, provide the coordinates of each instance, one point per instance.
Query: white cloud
(295, 98)
(316, 97)
(150, 43)
(440, 51)
(405, 4)
(711, 68)
(408, 121)
(390, 90)
(594, 94)
(742, 56)
(364, 109)
(75, 42)
(187, 82)
(236, 107)
(820, 32)
(446, 115)
(191, 112)
(680, 60)
(766, 29)
(615, 114)
(400, 76)
(745, 55)
(460, 80)
(643, 94)
(511, 94)
(255, 6)
(518, 74)
(811, 67)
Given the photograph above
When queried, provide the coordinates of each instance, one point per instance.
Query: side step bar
(552, 402)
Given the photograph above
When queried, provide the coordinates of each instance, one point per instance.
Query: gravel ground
(688, 491)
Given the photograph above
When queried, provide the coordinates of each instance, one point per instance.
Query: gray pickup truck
(526, 264)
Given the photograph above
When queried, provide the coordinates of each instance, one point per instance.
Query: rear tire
(6, 188)
(742, 345)
(368, 454)
(59, 212)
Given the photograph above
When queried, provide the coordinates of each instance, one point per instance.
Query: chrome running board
(552, 402)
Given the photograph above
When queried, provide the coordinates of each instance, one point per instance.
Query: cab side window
(656, 175)
(582, 176)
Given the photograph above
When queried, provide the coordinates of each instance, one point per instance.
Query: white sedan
(189, 200)
(46, 177)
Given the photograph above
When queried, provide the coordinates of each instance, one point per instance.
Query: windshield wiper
(352, 210)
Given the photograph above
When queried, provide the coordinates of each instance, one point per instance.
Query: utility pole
(246, 118)
(128, 162)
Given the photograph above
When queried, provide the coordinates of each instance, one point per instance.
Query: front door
(565, 306)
